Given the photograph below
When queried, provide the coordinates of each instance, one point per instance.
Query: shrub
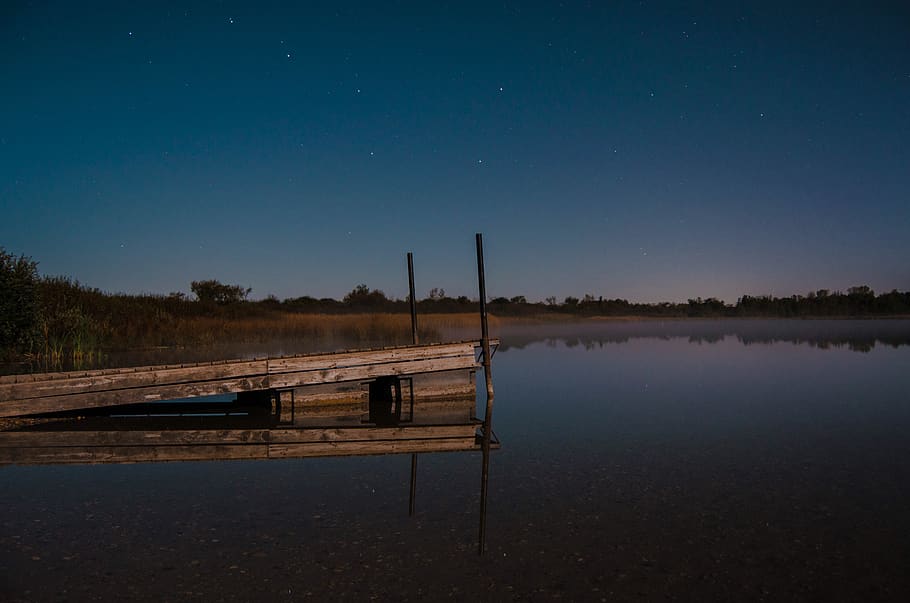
(215, 292)
(20, 315)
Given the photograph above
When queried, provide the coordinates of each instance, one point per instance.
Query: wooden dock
(408, 399)
(22, 395)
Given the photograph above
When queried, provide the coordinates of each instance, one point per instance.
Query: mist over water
(858, 335)
(730, 460)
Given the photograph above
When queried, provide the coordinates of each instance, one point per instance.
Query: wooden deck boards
(22, 395)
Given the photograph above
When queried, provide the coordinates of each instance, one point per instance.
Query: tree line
(855, 302)
(46, 313)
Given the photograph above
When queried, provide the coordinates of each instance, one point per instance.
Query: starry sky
(645, 150)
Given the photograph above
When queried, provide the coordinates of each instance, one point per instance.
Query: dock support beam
(488, 377)
(415, 340)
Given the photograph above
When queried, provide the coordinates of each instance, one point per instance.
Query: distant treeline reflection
(854, 335)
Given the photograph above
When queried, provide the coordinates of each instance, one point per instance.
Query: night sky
(635, 149)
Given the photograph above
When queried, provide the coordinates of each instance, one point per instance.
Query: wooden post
(488, 377)
(415, 340)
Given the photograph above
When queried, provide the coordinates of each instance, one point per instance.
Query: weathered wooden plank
(370, 371)
(368, 357)
(130, 454)
(330, 393)
(132, 379)
(443, 381)
(410, 350)
(357, 434)
(344, 357)
(330, 399)
(131, 437)
(451, 386)
(446, 387)
(32, 406)
(34, 377)
(344, 448)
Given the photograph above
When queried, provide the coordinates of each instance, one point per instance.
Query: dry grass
(309, 327)
(385, 328)
(204, 338)
(308, 332)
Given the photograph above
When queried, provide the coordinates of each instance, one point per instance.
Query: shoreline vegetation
(58, 321)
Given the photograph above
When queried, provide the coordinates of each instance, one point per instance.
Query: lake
(693, 460)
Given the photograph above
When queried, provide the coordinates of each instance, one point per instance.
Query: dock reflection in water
(410, 399)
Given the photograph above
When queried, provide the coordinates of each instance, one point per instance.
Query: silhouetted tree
(363, 298)
(215, 292)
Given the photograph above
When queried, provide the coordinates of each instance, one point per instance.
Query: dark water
(640, 461)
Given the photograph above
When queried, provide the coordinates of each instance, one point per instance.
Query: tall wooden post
(415, 340)
(488, 377)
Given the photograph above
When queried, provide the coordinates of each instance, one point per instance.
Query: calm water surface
(683, 460)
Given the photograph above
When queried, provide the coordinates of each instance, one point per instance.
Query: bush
(20, 315)
(214, 292)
